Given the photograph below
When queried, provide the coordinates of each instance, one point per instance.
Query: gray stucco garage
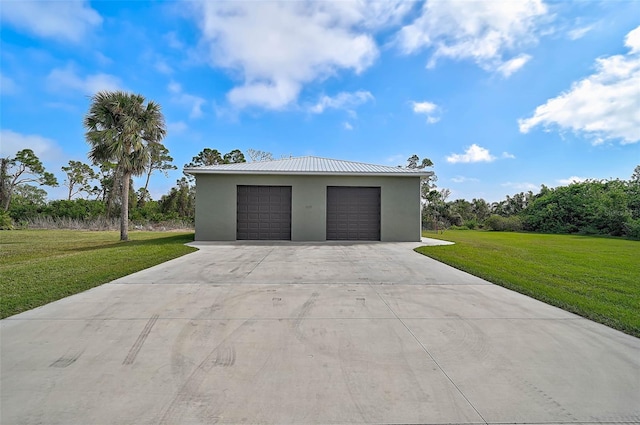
(307, 199)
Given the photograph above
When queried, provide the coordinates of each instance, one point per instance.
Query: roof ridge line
(325, 158)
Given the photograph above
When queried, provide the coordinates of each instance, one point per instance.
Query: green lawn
(595, 277)
(40, 266)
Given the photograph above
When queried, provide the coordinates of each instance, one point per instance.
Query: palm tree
(121, 129)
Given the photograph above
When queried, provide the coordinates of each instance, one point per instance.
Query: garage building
(307, 199)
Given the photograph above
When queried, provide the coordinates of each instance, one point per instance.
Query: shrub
(500, 224)
(5, 221)
(470, 224)
(77, 209)
(632, 229)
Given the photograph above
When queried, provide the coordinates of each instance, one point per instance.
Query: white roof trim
(309, 165)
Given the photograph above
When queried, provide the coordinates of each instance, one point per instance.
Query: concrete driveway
(311, 333)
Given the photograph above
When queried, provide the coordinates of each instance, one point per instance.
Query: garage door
(264, 213)
(353, 213)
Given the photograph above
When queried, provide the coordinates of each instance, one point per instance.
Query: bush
(77, 209)
(470, 224)
(459, 228)
(5, 221)
(632, 229)
(500, 224)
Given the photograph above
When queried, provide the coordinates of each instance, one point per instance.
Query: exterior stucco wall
(216, 204)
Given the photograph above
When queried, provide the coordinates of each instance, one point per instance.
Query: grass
(594, 277)
(40, 266)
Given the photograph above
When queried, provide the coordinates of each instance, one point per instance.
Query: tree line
(125, 133)
(592, 207)
(95, 190)
(599, 207)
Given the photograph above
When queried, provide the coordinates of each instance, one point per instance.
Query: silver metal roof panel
(308, 165)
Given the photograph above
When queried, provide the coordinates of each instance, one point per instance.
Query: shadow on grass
(165, 240)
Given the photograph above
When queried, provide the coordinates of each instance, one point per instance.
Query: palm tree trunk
(124, 209)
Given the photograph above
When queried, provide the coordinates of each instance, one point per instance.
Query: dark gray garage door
(353, 213)
(264, 213)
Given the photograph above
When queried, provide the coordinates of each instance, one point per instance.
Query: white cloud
(275, 48)
(176, 127)
(103, 59)
(173, 41)
(572, 179)
(603, 106)
(580, 32)
(194, 103)
(163, 67)
(424, 107)
(474, 153)
(486, 32)
(61, 20)
(64, 79)
(343, 100)
(462, 179)
(7, 85)
(509, 67)
(507, 155)
(520, 186)
(46, 149)
(347, 126)
(429, 109)
(632, 40)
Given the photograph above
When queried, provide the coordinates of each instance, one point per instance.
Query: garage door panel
(353, 213)
(263, 213)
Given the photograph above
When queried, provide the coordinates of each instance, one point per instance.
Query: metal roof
(308, 165)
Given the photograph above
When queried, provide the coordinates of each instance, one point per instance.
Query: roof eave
(194, 171)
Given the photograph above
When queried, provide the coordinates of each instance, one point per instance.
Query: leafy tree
(79, 177)
(143, 197)
(413, 162)
(27, 202)
(159, 160)
(120, 128)
(436, 214)
(25, 167)
(257, 155)
(108, 190)
(512, 205)
(635, 177)
(433, 204)
(205, 158)
(633, 194)
(5, 221)
(77, 209)
(31, 194)
(233, 157)
(462, 208)
(427, 184)
(480, 208)
(501, 224)
(209, 156)
(180, 201)
(590, 207)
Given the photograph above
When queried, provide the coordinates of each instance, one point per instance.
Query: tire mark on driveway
(135, 348)
(259, 262)
(67, 360)
(222, 355)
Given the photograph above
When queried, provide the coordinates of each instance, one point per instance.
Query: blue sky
(502, 96)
